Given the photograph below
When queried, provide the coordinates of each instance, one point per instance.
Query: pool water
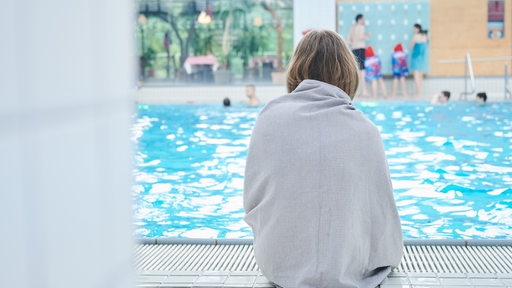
(451, 168)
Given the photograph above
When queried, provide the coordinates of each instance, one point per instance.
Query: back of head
(324, 56)
(482, 95)
(398, 48)
(226, 102)
(446, 94)
(421, 30)
(368, 52)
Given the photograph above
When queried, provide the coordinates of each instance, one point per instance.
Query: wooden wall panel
(459, 27)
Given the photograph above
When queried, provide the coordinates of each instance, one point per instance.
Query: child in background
(373, 74)
(400, 70)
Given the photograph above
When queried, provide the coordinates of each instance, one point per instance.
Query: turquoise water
(451, 168)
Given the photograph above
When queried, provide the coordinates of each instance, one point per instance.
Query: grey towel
(318, 194)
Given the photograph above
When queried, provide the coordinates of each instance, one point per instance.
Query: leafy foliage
(233, 44)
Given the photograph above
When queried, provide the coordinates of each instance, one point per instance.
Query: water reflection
(450, 166)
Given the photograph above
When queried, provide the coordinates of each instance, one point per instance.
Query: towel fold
(318, 194)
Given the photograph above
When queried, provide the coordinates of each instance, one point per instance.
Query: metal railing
(469, 75)
(443, 256)
(508, 94)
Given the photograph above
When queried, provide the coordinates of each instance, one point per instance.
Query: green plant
(202, 43)
(248, 44)
(149, 57)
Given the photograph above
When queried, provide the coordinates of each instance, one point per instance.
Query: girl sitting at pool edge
(317, 189)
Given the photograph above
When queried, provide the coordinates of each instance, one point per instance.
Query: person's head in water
(445, 96)
(250, 91)
(360, 19)
(481, 98)
(441, 98)
(226, 102)
(324, 56)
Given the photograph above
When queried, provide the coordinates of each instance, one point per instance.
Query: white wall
(65, 107)
(307, 14)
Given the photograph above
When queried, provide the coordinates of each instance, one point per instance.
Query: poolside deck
(230, 263)
(162, 93)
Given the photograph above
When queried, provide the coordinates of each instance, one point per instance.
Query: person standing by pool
(400, 70)
(418, 47)
(373, 73)
(317, 188)
(357, 40)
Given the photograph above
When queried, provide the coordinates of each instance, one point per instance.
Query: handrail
(468, 67)
(508, 94)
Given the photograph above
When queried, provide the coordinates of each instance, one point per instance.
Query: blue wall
(387, 23)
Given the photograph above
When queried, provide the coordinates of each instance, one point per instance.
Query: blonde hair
(324, 56)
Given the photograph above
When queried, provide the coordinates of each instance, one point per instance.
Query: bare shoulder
(351, 30)
(419, 38)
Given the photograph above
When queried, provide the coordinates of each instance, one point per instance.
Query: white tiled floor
(467, 265)
(255, 279)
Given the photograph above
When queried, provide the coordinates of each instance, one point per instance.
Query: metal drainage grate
(456, 259)
(190, 257)
(240, 257)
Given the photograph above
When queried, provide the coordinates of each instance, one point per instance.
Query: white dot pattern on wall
(387, 22)
(379, 51)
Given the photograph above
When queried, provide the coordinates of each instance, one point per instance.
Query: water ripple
(451, 168)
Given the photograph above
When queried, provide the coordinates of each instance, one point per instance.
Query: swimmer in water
(226, 102)
(441, 98)
(250, 92)
(481, 98)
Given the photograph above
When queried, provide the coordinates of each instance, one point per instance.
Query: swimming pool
(451, 168)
